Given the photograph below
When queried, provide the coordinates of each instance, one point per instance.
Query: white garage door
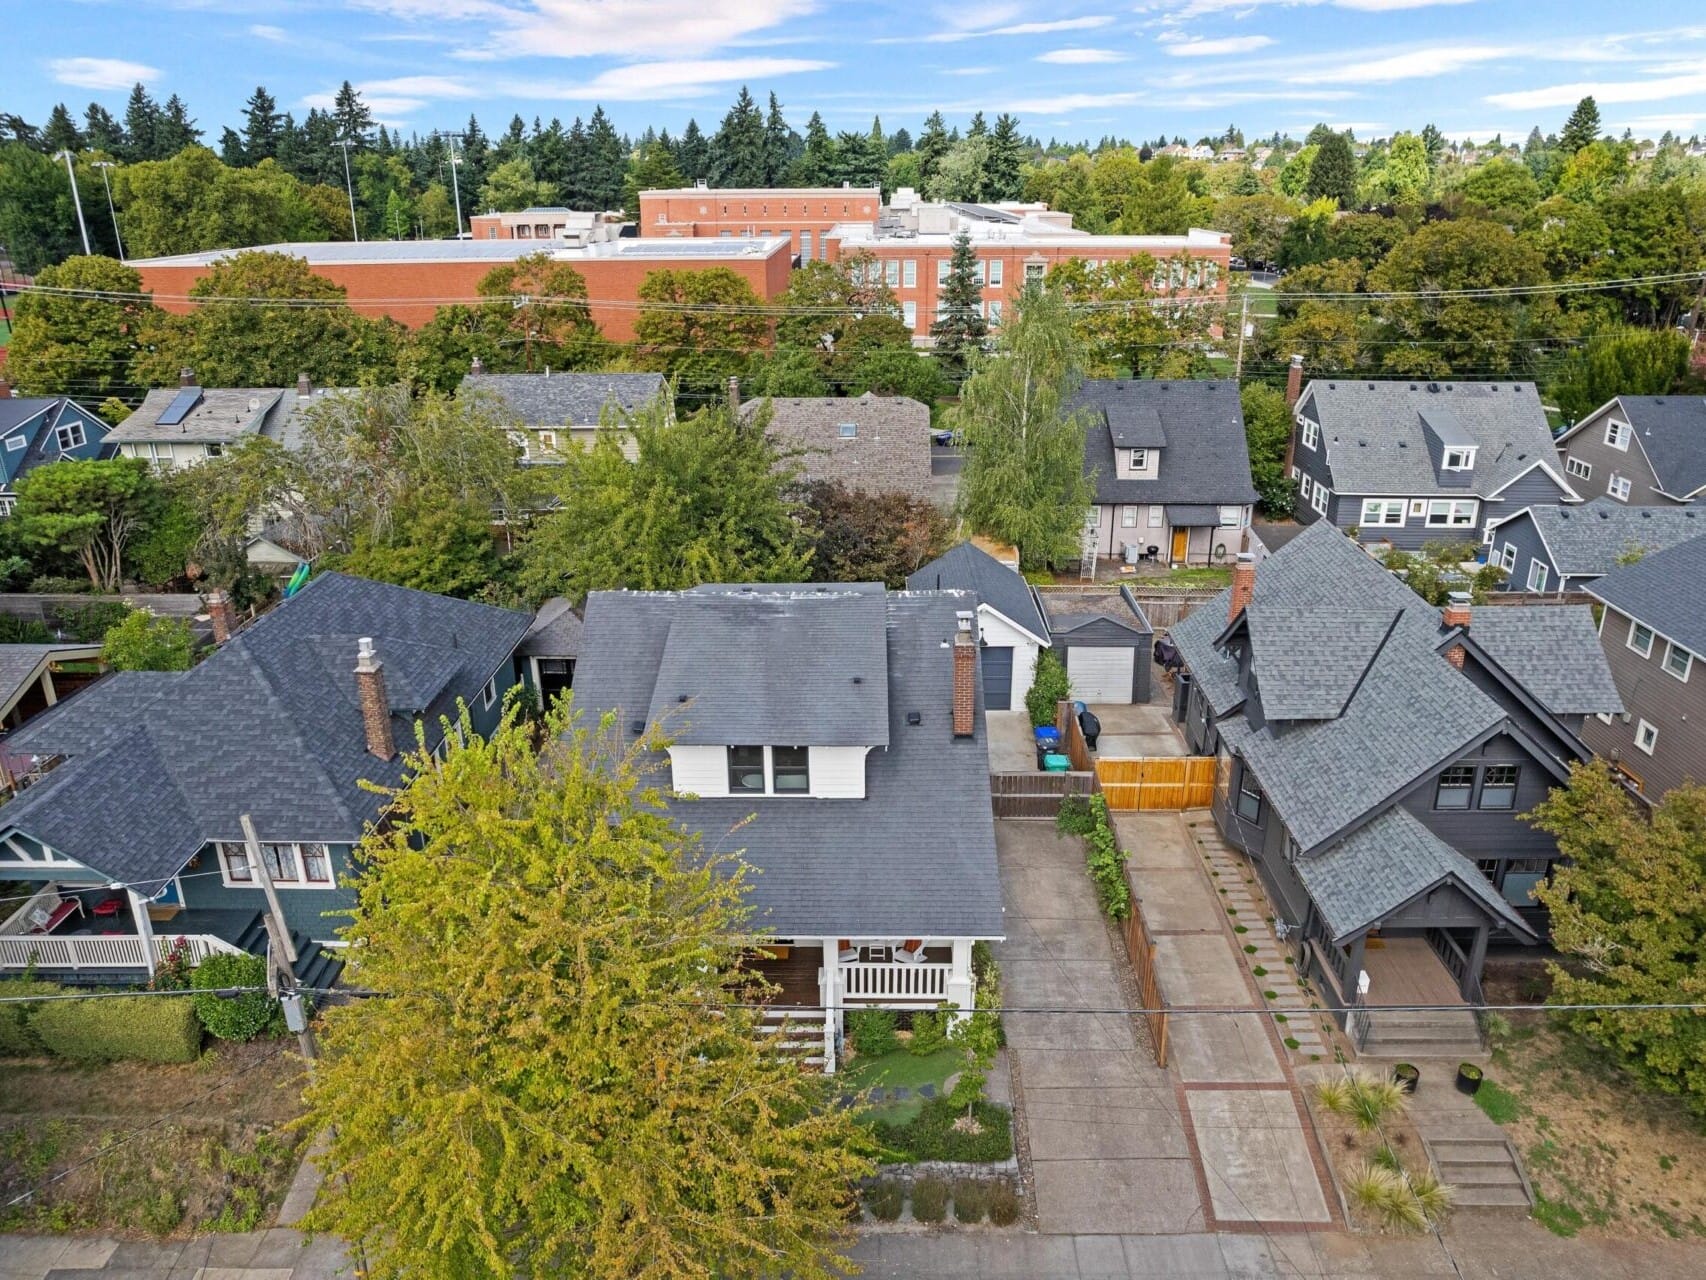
(1100, 675)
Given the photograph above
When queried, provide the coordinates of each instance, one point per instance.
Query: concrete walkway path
(1108, 1148)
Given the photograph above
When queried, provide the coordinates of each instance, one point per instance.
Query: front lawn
(920, 1123)
(893, 1072)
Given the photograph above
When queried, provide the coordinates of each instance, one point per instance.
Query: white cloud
(1655, 125)
(1080, 57)
(685, 78)
(1066, 103)
(1180, 10)
(261, 31)
(388, 108)
(1180, 47)
(1603, 91)
(422, 86)
(1416, 64)
(1088, 23)
(970, 71)
(632, 28)
(101, 73)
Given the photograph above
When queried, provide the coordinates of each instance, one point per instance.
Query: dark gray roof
(1551, 650)
(223, 415)
(567, 399)
(20, 663)
(1206, 459)
(1304, 674)
(970, 568)
(159, 763)
(914, 858)
(888, 452)
(1672, 433)
(555, 633)
(1666, 591)
(1134, 424)
(1066, 611)
(1381, 866)
(1585, 540)
(1190, 516)
(1376, 434)
(35, 420)
(806, 666)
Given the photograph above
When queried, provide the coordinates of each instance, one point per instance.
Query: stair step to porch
(1493, 1198)
(1479, 1175)
(1458, 1151)
(1461, 1050)
(1484, 1170)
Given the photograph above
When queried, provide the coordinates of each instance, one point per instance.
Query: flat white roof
(1041, 237)
(760, 191)
(334, 252)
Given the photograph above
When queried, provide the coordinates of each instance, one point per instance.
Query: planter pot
(1468, 1078)
(1406, 1076)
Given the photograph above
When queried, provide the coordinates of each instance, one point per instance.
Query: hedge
(143, 1029)
(241, 1017)
(17, 1037)
(931, 1135)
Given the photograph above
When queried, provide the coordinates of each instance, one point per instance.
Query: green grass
(898, 1070)
(1558, 1218)
(1200, 576)
(1499, 1103)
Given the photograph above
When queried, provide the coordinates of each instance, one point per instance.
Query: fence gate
(1157, 782)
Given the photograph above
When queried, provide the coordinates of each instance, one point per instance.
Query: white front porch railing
(921, 982)
(82, 951)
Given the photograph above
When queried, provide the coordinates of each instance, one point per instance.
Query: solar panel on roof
(180, 407)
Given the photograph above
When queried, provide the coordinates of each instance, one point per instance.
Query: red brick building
(408, 280)
(804, 214)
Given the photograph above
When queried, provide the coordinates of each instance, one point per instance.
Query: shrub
(883, 1198)
(1431, 1194)
(929, 1200)
(1360, 1097)
(931, 1135)
(929, 1033)
(24, 631)
(17, 1037)
(1076, 817)
(49, 584)
(1106, 861)
(1383, 1195)
(1048, 687)
(243, 1017)
(91, 622)
(146, 1029)
(1003, 1204)
(144, 642)
(872, 1032)
(971, 1200)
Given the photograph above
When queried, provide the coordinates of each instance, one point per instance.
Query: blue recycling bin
(1047, 735)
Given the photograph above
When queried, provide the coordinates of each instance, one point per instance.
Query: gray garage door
(998, 678)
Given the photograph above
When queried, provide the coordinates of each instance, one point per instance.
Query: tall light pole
(455, 187)
(346, 144)
(76, 199)
(103, 166)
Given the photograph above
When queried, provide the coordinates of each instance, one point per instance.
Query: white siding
(837, 773)
(699, 771)
(998, 631)
(1100, 675)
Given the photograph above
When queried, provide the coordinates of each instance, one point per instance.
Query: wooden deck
(794, 976)
(1405, 971)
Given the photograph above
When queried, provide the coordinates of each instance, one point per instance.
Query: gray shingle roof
(1666, 590)
(970, 568)
(914, 858)
(35, 421)
(888, 452)
(224, 415)
(567, 399)
(1205, 461)
(1672, 433)
(1383, 865)
(1586, 540)
(1377, 441)
(159, 763)
(1303, 674)
(1066, 611)
(20, 662)
(1553, 651)
(555, 633)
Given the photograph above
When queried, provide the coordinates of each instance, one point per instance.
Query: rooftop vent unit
(914, 718)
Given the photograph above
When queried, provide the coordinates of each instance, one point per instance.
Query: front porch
(80, 932)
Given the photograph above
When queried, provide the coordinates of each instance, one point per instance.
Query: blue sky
(1068, 69)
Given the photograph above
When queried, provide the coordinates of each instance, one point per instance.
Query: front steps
(801, 1034)
(1482, 1166)
(1411, 1035)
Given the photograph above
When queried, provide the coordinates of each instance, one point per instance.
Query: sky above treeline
(1068, 69)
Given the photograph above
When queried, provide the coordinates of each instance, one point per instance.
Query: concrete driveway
(1012, 749)
(1136, 729)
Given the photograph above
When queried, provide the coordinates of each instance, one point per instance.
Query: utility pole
(103, 166)
(281, 951)
(76, 199)
(455, 186)
(355, 230)
(1243, 328)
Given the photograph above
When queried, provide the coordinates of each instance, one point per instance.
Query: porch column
(144, 927)
(1477, 958)
(829, 992)
(960, 978)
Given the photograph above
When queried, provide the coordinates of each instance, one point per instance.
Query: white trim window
(1537, 573)
(70, 437)
(1459, 459)
(1155, 514)
(995, 272)
(489, 694)
(1319, 501)
(1382, 511)
(14, 443)
(1451, 513)
(1303, 483)
(1232, 517)
(994, 308)
(1577, 469)
(1311, 434)
(1619, 488)
(1646, 736)
(1507, 557)
(1296, 473)
(909, 314)
(292, 866)
(909, 274)
(944, 266)
(891, 273)
(8, 502)
(1640, 639)
(1678, 661)
(1617, 435)
(1128, 517)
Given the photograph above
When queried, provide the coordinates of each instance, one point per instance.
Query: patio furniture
(910, 952)
(46, 920)
(846, 952)
(107, 908)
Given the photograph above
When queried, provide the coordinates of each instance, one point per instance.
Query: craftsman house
(834, 736)
(556, 409)
(1010, 627)
(1563, 547)
(38, 430)
(1408, 463)
(1647, 451)
(1376, 754)
(1170, 468)
(128, 828)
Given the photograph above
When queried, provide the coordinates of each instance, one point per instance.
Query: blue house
(128, 825)
(37, 430)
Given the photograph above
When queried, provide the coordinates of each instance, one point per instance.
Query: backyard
(150, 1149)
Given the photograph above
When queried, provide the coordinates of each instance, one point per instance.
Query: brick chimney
(224, 615)
(375, 706)
(478, 366)
(1294, 381)
(5, 389)
(734, 396)
(186, 377)
(304, 387)
(1456, 614)
(1243, 584)
(965, 678)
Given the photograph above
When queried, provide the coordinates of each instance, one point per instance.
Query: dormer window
(770, 771)
(1140, 459)
(791, 770)
(746, 771)
(1459, 459)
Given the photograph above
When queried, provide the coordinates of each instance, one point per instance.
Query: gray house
(844, 755)
(1376, 754)
(558, 409)
(176, 427)
(880, 444)
(1103, 639)
(1171, 470)
(1408, 463)
(130, 838)
(1562, 548)
(1647, 451)
(1654, 631)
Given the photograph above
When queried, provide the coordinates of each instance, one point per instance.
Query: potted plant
(1406, 1076)
(1468, 1078)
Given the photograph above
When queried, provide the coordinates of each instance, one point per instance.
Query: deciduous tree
(94, 511)
(146, 642)
(1619, 362)
(1267, 431)
(699, 326)
(79, 342)
(871, 537)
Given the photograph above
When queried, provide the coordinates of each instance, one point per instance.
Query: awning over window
(1191, 516)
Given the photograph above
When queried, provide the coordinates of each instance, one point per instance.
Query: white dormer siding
(1137, 464)
(836, 773)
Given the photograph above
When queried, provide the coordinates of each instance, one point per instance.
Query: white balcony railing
(83, 951)
(921, 982)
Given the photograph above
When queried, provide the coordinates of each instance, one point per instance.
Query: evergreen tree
(932, 146)
(959, 327)
(101, 132)
(737, 150)
(1434, 141)
(350, 113)
(262, 125)
(693, 153)
(653, 169)
(607, 162)
(1333, 173)
(1006, 155)
(141, 122)
(61, 133)
(231, 153)
(1581, 128)
(778, 143)
(551, 155)
(818, 163)
(977, 128)
(176, 130)
(900, 141)
(476, 155)
(860, 161)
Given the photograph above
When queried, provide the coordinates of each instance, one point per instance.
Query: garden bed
(1394, 1145)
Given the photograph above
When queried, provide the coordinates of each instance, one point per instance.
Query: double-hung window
(1646, 736)
(280, 860)
(1641, 639)
(909, 314)
(891, 273)
(1139, 460)
(1507, 557)
(943, 267)
(235, 858)
(1303, 485)
(1498, 786)
(1451, 513)
(1319, 501)
(1456, 786)
(746, 771)
(995, 311)
(1155, 514)
(1619, 488)
(1617, 435)
(1128, 517)
(1311, 434)
(791, 770)
(1678, 661)
(1537, 574)
(1378, 511)
(995, 268)
(489, 694)
(1249, 799)
(909, 274)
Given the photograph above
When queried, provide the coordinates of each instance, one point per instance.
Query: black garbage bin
(1091, 726)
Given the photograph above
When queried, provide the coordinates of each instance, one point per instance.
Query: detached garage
(1010, 628)
(1104, 640)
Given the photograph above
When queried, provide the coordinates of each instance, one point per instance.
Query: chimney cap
(1461, 599)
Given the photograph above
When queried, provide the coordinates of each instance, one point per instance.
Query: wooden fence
(1142, 952)
(1537, 597)
(1157, 782)
(1035, 795)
